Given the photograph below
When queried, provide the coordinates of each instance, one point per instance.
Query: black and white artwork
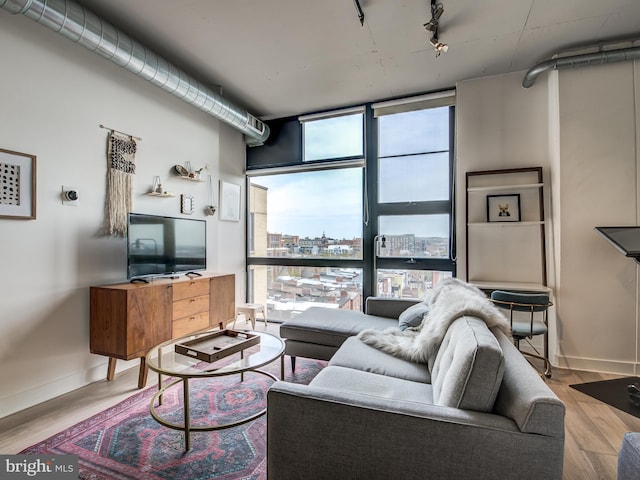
(17, 185)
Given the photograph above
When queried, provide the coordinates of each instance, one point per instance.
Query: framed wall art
(229, 201)
(17, 185)
(503, 208)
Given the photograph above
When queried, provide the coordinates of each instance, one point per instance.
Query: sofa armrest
(326, 434)
(387, 307)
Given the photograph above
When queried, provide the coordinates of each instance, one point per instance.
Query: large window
(365, 208)
(414, 202)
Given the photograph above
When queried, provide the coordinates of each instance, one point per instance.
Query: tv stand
(193, 274)
(127, 319)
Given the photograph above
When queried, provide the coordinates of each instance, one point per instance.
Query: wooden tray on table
(217, 345)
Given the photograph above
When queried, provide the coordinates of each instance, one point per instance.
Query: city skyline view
(309, 204)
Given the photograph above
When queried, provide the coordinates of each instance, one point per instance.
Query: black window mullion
(415, 208)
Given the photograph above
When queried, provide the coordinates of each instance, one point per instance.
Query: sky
(312, 203)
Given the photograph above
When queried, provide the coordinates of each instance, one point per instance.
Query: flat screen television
(625, 239)
(164, 246)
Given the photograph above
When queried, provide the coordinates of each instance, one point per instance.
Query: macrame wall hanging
(121, 155)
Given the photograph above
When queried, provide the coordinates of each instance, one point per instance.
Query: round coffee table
(164, 360)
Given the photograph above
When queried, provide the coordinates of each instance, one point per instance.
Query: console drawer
(190, 306)
(192, 323)
(191, 288)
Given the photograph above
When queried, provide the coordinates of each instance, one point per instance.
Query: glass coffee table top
(165, 360)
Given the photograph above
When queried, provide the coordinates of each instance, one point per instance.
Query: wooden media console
(127, 319)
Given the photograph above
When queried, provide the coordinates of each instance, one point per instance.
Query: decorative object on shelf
(121, 154)
(503, 208)
(157, 190)
(210, 208)
(229, 201)
(156, 187)
(186, 204)
(187, 173)
(196, 175)
(17, 185)
(181, 171)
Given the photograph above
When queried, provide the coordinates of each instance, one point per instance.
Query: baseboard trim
(47, 391)
(597, 365)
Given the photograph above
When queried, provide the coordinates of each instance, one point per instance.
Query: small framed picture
(503, 208)
(229, 201)
(17, 185)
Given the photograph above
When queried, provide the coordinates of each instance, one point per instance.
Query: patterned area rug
(125, 442)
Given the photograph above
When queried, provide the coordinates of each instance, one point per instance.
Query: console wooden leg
(142, 374)
(111, 369)
(293, 364)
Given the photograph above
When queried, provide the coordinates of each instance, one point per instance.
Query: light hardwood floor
(593, 429)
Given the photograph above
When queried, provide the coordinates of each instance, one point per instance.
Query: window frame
(369, 263)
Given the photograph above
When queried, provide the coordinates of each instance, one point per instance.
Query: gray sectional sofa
(481, 412)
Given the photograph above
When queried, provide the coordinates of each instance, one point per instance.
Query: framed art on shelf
(229, 201)
(503, 208)
(17, 185)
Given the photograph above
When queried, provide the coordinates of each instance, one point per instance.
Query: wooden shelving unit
(506, 255)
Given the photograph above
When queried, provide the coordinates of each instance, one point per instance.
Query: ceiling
(278, 58)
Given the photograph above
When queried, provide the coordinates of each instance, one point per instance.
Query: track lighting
(359, 11)
(432, 26)
(438, 46)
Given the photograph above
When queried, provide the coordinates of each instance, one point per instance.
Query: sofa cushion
(354, 353)
(371, 384)
(629, 456)
(412, 316)
(469, 366)
(330, 327)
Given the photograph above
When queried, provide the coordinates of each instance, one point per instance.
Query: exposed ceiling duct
(83, 27)
(586, 59)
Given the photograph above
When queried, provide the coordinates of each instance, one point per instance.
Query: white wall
(597, 169)
(581, 126)
(53, 97)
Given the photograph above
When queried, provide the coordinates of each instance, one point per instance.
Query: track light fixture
(432, 26)
(359, 11)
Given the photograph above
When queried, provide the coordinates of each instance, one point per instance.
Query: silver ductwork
(83, 27)
(586, 59)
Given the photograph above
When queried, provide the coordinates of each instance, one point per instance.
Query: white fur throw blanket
(450, 299)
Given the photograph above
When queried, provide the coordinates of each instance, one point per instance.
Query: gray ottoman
(319, 332)
(629, 457)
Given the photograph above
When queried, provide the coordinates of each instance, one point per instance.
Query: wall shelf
(506, 224)
(513, 286)
(156, 194)
(498, 188)
(189, 179)
(506, 255)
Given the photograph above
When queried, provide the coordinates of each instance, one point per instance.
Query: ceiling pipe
(83, 27)
(598, 58)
